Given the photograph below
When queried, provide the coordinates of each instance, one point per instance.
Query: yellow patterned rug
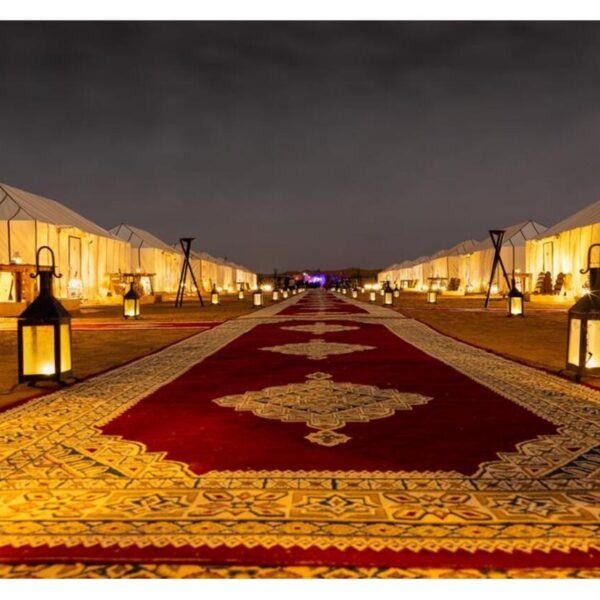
(73, 498)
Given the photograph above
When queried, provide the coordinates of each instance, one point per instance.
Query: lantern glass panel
(65, 347)
(574, 341)
(38, 350)
(130, 307)
(593, 344)
(516, 305)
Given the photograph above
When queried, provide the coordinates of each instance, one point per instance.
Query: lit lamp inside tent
(131, 303)
(494, 289)
(257, 298)
(16, 259)
(515, 302)
(583, 341)
(75, 287)
(214, 295)
(388, 294)
(44, 332)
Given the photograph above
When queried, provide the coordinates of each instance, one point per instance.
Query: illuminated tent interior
(88, 256)
(157, 263)
(556, 256)
(466, 267)
(513, 257)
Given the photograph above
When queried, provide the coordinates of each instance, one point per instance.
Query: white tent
(389, 274)
(513, 257)
(454, 265)
(86, 254)
(159, 263)
(415, 272)
(563, 248)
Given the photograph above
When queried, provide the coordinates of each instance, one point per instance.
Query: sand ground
(97, 351)
(538, 339)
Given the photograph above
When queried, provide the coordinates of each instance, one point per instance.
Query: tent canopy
(586, 216)
(16, 204)
(140, 238)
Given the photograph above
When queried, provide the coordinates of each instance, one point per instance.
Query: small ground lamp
(214, 295)
(396, 292)
(432, 294)
(354, 293)
(275, 295)
(372, 296)
(515, 302)
(344, 291)
(257, 298)
(285, 293)
(44, 332)
(241, 293)
(388, 294)
(583, 343)
(131, 303)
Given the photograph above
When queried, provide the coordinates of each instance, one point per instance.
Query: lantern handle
(37, 263)
(589, 259)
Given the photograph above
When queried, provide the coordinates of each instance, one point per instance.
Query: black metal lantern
(44, 332)
(131, 303)
(583, 339)
(257, 298)
(285, 293)
(388, 294)
(396, 292)
(372, 296)
(432, 295)
(214, 295)
(241, 293)
(354, 292)
(275, 295)
(516, 302)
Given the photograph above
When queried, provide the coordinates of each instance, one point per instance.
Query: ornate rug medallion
(323, 405)
(318, 349)
(320, 328)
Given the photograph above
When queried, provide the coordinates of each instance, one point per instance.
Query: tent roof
(139, 238)
(464, 247)
(586, 216)
(390, 268)
(525, 230)
(417, 261)
(22, 206)
(438, 254)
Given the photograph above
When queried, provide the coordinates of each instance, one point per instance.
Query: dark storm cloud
(305, 144)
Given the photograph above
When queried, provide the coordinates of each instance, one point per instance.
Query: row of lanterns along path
(44, 345)
(257, 295)
(583, 333)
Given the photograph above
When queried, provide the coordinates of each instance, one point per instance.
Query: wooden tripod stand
(497, 236)
(186, 246)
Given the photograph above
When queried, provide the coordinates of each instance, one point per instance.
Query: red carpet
(307, 434)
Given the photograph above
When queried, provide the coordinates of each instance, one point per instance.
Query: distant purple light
(318, 279)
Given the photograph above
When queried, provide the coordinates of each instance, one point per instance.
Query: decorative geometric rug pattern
(428, 457)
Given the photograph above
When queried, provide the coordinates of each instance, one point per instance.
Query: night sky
(305, 145)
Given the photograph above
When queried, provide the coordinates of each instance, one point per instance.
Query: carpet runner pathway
(318, 437)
